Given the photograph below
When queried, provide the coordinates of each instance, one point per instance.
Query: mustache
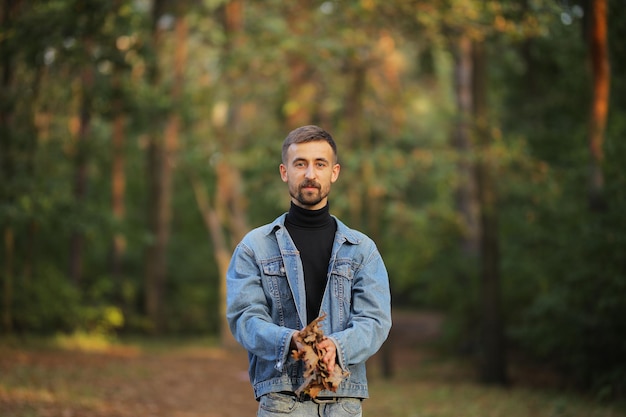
(307, 184)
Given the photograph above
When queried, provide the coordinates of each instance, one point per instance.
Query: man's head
(309, 166)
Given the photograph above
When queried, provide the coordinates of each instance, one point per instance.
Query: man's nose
(310, 172)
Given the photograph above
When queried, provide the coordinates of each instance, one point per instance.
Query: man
(305, 264)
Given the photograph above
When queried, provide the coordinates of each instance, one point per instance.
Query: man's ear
(335, 175)
(283, 172)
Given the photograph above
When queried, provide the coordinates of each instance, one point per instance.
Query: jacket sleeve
(248, 313)
(370, 315)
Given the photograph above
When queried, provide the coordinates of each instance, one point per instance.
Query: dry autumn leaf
(317, 376)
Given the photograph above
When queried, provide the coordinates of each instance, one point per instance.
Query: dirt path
(197, 382)
(185, 382)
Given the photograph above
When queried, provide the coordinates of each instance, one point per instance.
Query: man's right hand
(295, 345)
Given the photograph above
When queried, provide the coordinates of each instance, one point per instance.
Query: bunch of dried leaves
(316, 374)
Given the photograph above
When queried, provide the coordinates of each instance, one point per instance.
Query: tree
(601, 74)
(82, 135)
(161, 156)
(119, 140)
(8, 154)
(118, 183)
(466, 198)
(491, 344)
(18, 147)
(225, 218)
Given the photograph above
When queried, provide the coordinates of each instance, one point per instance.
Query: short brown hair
(308, 133)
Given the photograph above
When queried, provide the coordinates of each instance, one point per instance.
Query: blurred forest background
(482, 147)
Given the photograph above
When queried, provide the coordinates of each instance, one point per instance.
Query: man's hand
(319, 355)
(330, 356)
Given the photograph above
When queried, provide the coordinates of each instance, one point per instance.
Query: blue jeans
(281, 405)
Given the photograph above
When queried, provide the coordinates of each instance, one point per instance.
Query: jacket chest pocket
(341, 280)
(275, 281)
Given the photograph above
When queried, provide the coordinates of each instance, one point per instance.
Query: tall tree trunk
(36, 131)
(601, 76)
(82, 137)
(466, 198)
(226, 218)
(118, 191)
(154, 262)
(118, 178)
(18, 143)
(492, 360)
(154, 255)
(7, 162)
(225, 215)
(221, 252)
(162, 162)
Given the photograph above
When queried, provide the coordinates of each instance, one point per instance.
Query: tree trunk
(118, 191)
(161, 168)
(601, 76)
(227, 213)
(7, 163)
(226, 219)
(82, 135)
(492, 360)
(466, 198)
(154, 261)
(221, 252)
(18, 142)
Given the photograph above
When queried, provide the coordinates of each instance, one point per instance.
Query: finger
(330, 353)
(330, 358)
(330, 362)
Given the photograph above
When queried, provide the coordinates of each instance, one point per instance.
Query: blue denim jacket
(266, 305)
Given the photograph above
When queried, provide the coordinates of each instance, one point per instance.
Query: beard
(309, 197)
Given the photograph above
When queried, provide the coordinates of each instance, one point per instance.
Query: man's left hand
(330, 356)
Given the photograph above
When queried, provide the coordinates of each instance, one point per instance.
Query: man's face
(309, 171)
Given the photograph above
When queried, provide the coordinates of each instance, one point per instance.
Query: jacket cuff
(284, 349)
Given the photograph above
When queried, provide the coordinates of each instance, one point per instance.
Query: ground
(188, 381)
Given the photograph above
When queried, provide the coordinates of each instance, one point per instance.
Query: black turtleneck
(313, 232)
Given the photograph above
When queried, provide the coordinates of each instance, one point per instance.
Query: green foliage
(102, 320)
(561, 261)
(586, 297)
(47, 303)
